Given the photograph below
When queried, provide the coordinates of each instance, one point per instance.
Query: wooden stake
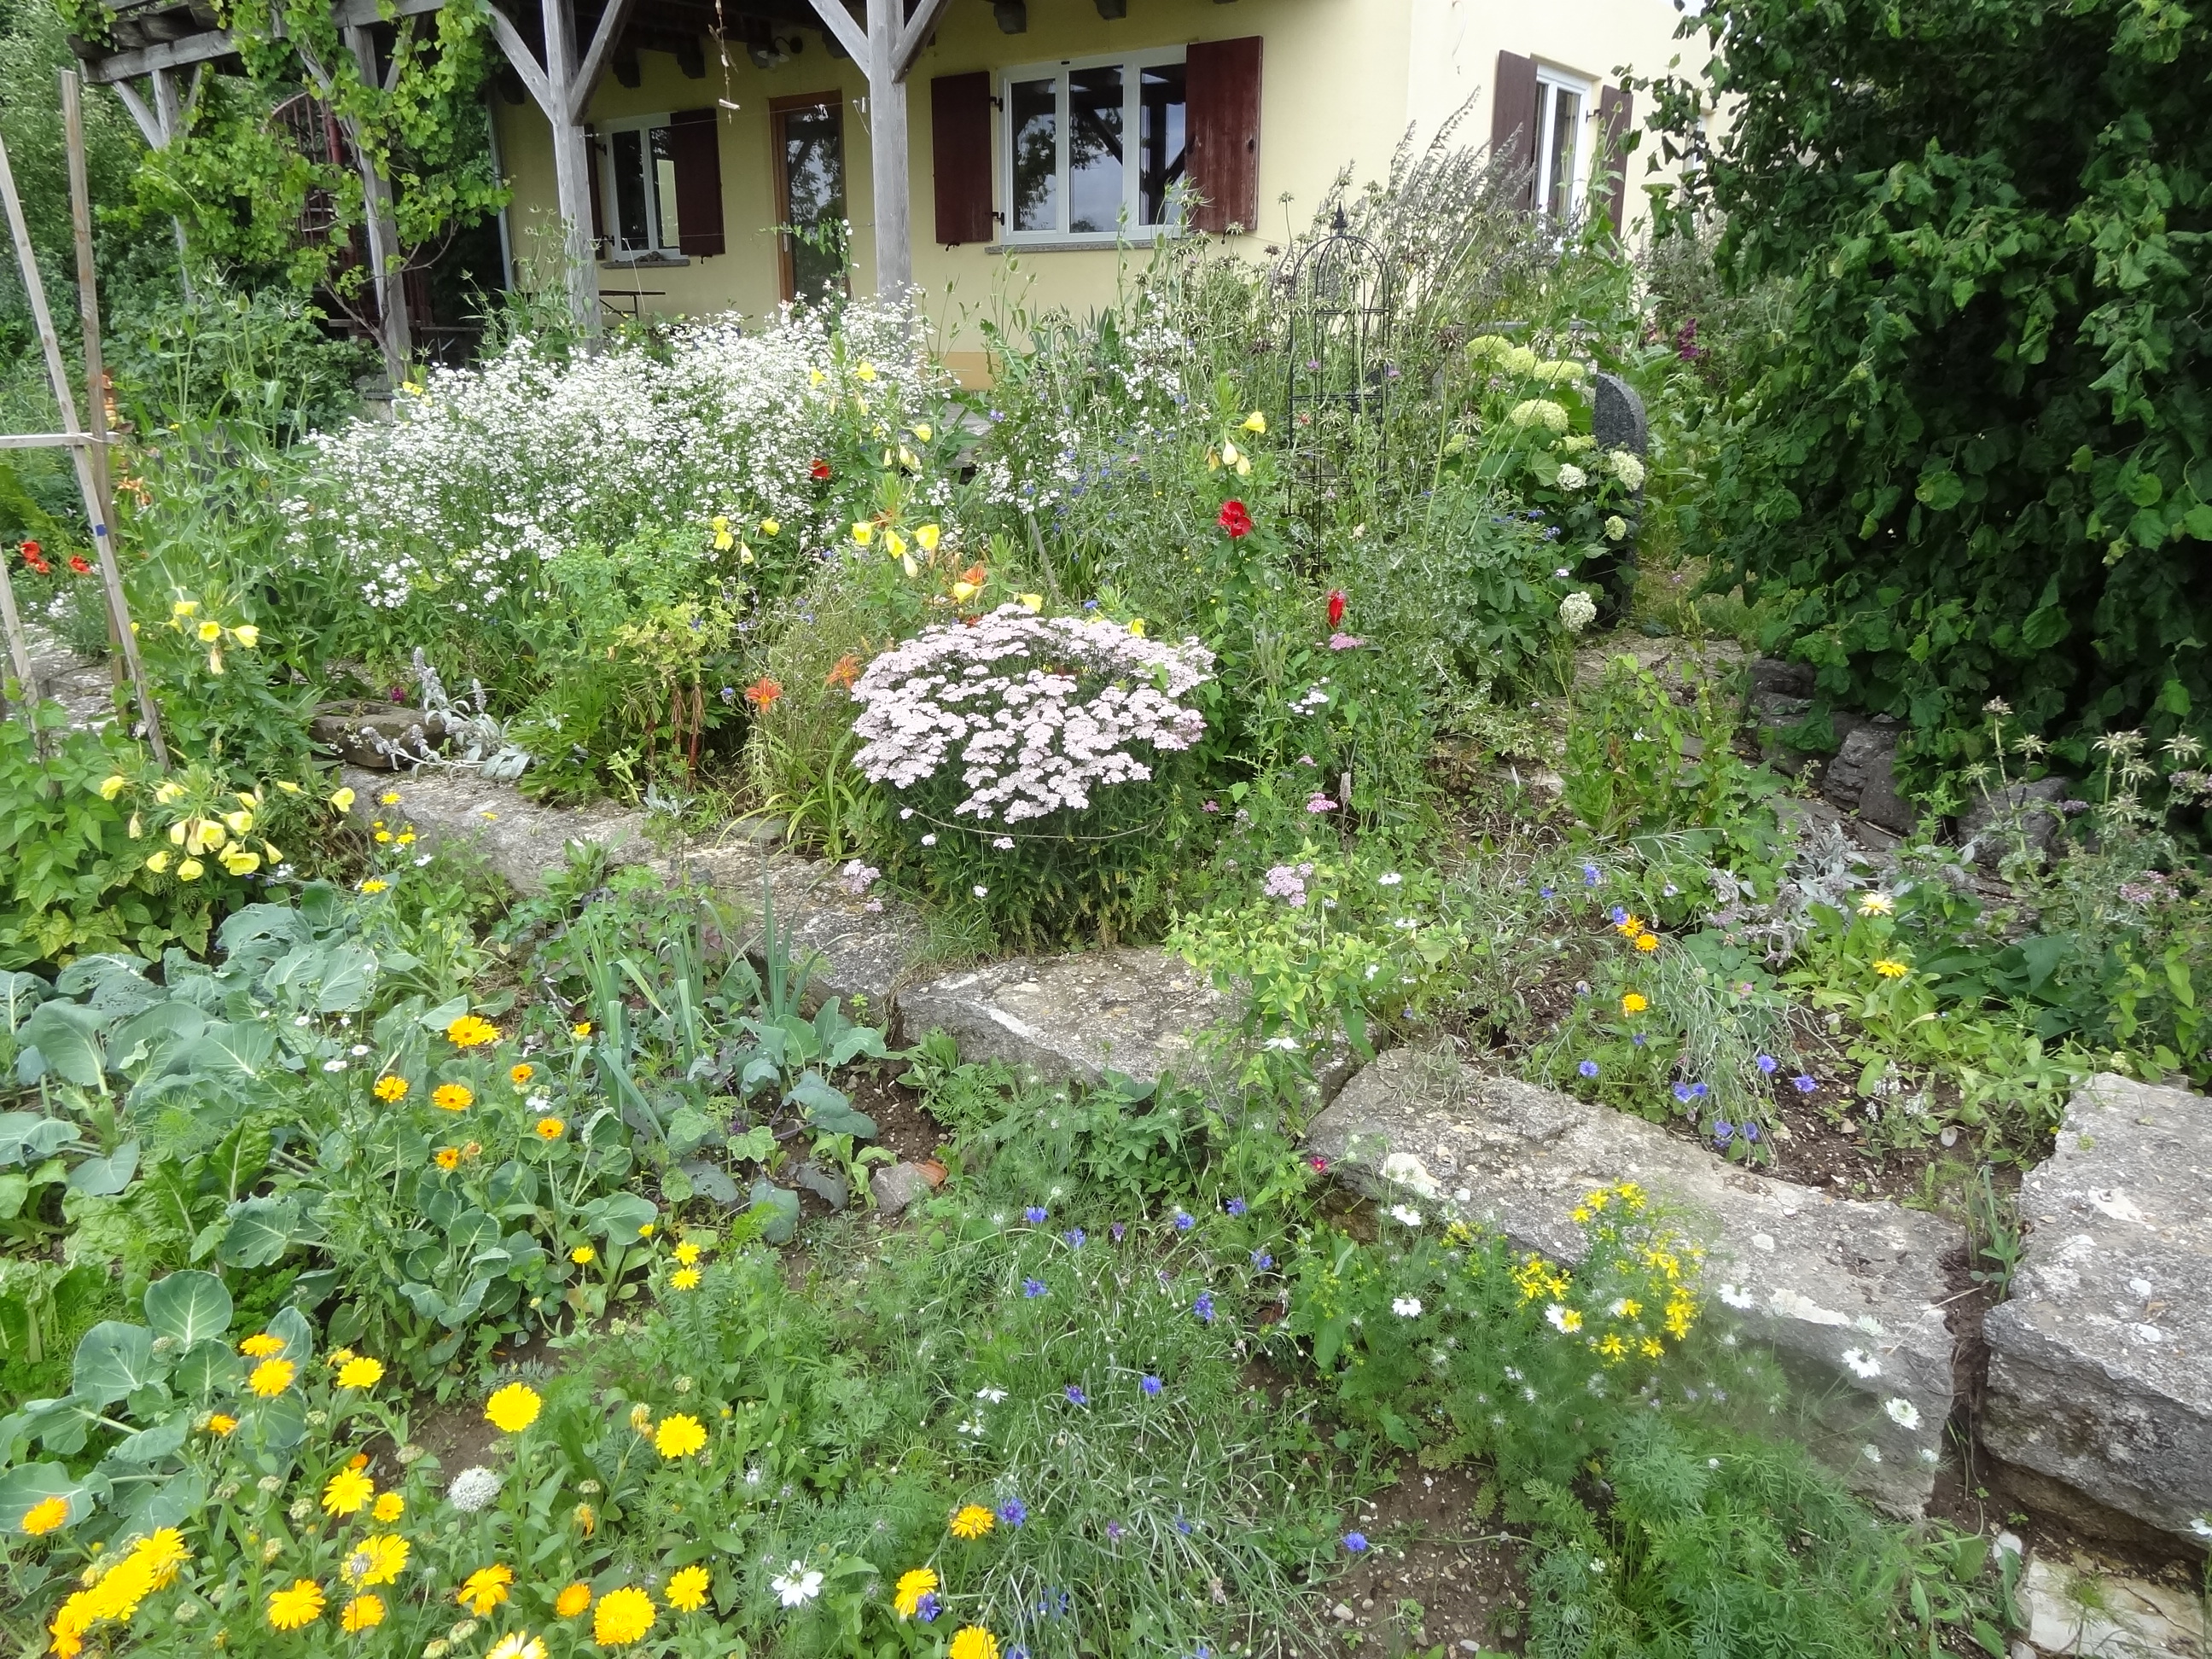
(88, 299)
(19, 647)
(103, 541)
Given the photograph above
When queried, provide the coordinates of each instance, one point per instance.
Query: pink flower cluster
(1287, 882)
(1037, 711)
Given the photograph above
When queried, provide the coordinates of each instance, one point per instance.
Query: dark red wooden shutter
(1221, 116)
(695, 145)
(960, 155)
(1615, 109)
(1513, 116)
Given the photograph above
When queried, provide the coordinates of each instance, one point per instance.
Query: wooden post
(80, 448)
(169, 117)
(887, 152)
(19, 652)
(87, 301)
(571, 161)
(386, 264)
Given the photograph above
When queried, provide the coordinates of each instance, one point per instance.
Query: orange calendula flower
(572, 1600)
(390, 1088)
(45, 1515)
(448, 1157)
(485, 1589)
(471, 1031)
(520, 1074)
(552, 1128)
(452, 1096)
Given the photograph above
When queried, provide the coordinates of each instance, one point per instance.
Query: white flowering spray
(1012, 747)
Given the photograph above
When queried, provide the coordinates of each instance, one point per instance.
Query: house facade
(1044, 138)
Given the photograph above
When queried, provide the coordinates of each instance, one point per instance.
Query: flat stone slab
(1816, 1278)
(1075, 1017)
(2101, 1363)
(2067, 1608)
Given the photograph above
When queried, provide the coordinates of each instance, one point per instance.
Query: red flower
(30, 549)
(79, 563)
(819, 470)
(1335, 606)
(762, 693)
(1235, 520)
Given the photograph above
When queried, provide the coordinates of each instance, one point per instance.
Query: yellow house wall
(1340, 81)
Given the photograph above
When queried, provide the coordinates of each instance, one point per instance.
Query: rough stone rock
(898, 1186)
(1131, 1010)
(522, 840)
(2068, 1608)
(2002, 819)
(2101, 1363)
(1813, 1276)
(378, 737)
(1863, 778)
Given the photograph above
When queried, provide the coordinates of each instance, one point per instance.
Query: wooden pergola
(560, 51)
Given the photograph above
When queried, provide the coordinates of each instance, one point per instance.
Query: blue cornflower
(1032, 1287)
(1076, 1396)
(1014, 1512)
(1235, 1206)
(1682, 1093)
(1619, 915)
(1204, 1307)
(1184, 1221)
(1588, 1068)
(1183, 1526)
(1723, 1132)
(1074, 1236)
(1751, 1132)
(1549, 892)
(1151, 1385)
(1805, 1085)
(1589, 875)
(1698, 1090)
(1034, 1214)
(1118, 1229)
(1356, 1542)
(1767, 1064)
(927, 1607)
(1263, 1260)
(1638, 1040)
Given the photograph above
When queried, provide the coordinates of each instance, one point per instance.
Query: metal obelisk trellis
(86, 447)
(1338, 293)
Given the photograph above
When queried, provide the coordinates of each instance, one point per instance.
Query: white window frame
(1550, 83)
(661, 251)
(1132, 65)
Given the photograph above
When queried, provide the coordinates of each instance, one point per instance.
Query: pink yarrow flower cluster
(1037, 711)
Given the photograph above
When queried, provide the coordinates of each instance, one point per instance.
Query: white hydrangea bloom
(1628, 467)
(1578, 611)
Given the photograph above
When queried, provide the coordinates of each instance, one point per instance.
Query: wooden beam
(612, 23)
(106, 71)
(887, 153)
(839, 22)
(523, 61)
(360, 14)
(916, 35)
(46, 439)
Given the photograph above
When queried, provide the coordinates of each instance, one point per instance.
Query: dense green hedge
(1977, 462)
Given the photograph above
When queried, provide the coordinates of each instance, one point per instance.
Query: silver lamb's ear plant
(479, 740)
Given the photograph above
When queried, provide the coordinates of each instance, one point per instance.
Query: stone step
(2100, 1362)
(1850, 1296)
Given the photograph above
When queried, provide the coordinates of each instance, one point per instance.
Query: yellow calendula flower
(389, 1507)
(390, 1088)
(1890, 967)
(452, 1096)
(623, 1616)
(512, 1408)
(912, 1587)
(550, 1128)
(262, 1346)
(45, 1515)
(471, 1031)
(364, 1612)
(572, 1600)
(583, 1256)
(485, 1589)
(375, 1560)
(349, 1490)
(687, 1254)
(520, 1074)
(296, 1606)
(446, 1157)
(517, 1645)
(360, 1373)
(687, 1588)
(1634, 1003)
(972, 1520)
(372, 886)
(683, 1278)
(586, 1519)
(974, 1642)
(679, 1435)
(221, 1423)
(271, 1377)
(1647, 942)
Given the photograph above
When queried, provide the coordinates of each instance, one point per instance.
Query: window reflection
(1033, 116)
(1159, 140)
(1094, 148)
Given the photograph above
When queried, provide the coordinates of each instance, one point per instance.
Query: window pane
(1094, 148)
(814, 197)
(629, 191)
(664, 185)
(1159, 140)
(1033, 115)
(1567, 125)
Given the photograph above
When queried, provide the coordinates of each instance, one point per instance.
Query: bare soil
(1437, 1575)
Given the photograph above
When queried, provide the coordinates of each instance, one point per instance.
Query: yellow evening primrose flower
(928, 536)
(622, 1616)
(485, 1589)
(972, 1520)
(912, 1587)
(209, 632)
(512, 1408)
(1228, 456)
(894, 544)
(364, 1612)
(921, 430)
(866, 371)
(246, 634)
(974, 1642)
(360, 1373)
(687, 1588)
(158, 861)
(724, 538)
(184, 608)
(770, 527)
(964, 591)
(113, 786)
(190, 869)
(1256, 422)
(1031, 603)
(296, 1606)
(1137, 626)
(863, 532)
(678, 1435)
(342, 800)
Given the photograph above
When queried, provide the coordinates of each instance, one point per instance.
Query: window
(640, 167)
(810, 192)
(1562, 163)
(1094, 148)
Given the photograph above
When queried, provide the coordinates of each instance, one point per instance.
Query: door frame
(779, 182)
